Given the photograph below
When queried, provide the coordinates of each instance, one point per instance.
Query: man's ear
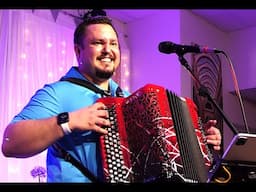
(77, 50)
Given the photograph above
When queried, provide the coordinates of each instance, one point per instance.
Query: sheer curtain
(33, 51)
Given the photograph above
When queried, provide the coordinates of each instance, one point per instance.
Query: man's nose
(107, 48)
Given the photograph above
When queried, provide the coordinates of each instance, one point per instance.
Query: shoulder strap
(86, 84)
(89, 85)
(68, 157)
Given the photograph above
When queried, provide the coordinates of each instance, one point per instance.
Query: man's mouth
(108, 60)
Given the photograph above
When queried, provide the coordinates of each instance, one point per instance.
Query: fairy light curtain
(34, 51)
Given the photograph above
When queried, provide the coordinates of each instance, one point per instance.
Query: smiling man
(64, 117)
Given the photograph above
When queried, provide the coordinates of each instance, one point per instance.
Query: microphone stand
(203, 91)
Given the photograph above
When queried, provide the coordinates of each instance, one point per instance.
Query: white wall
(242, 48)
(148, 65)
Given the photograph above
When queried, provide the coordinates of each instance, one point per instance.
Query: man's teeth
(106, 60)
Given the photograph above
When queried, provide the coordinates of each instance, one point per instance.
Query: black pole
(203, 91)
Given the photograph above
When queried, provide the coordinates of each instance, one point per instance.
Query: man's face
(100, 55)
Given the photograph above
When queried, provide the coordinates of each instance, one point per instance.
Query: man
(68, 114)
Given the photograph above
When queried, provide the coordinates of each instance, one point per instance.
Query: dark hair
(91, 17)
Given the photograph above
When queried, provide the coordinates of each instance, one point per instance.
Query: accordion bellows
(154, 136)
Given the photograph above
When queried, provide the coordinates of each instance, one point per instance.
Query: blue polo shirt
(62, 96)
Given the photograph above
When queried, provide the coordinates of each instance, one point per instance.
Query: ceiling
(225, 19)
(228, 20)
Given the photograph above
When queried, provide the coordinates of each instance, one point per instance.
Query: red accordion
(154, 136)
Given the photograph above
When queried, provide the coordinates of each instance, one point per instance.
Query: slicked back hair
(81, 28)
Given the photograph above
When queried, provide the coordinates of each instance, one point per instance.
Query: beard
(104, 74)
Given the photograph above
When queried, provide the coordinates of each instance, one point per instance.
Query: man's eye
(97, 43)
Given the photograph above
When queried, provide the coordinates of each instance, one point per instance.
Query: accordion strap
(68, 157)
(91, 86)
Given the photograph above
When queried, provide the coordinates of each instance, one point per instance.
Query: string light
(125, 70)
(49, 44)
(25, 76)
(60, 69)
(63, 43)
(50, 74)
(23, 56)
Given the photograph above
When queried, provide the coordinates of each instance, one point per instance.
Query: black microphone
(169, 47)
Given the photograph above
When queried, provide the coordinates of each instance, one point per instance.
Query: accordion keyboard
(115, 162)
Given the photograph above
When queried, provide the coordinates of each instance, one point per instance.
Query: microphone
(169, 47)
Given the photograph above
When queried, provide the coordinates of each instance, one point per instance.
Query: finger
(213, 131)
(217, 148)
(101, 130)
(213, 141)
(102, 122)
(103, 113)
(99, 125)
(210, 123)
(214, 144)
(100, 106)
(214, 137)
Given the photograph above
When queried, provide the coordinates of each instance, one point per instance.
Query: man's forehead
(103, 30)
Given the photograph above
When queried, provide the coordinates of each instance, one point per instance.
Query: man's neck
(102, 84)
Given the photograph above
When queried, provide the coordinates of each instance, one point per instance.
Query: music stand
(241, 149)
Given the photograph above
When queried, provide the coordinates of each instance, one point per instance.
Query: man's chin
(104, 75)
